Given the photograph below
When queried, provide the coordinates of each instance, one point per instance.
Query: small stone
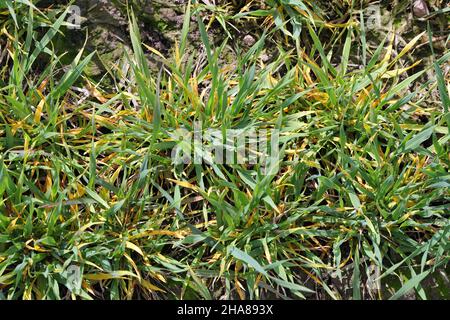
(249, 40)
(420, 8)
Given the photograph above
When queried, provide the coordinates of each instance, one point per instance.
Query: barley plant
(107, 192)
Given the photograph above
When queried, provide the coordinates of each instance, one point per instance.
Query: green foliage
(88, 181)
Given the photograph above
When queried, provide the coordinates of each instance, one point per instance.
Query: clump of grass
(87, 182)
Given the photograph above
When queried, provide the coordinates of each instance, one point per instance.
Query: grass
(87, 181)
